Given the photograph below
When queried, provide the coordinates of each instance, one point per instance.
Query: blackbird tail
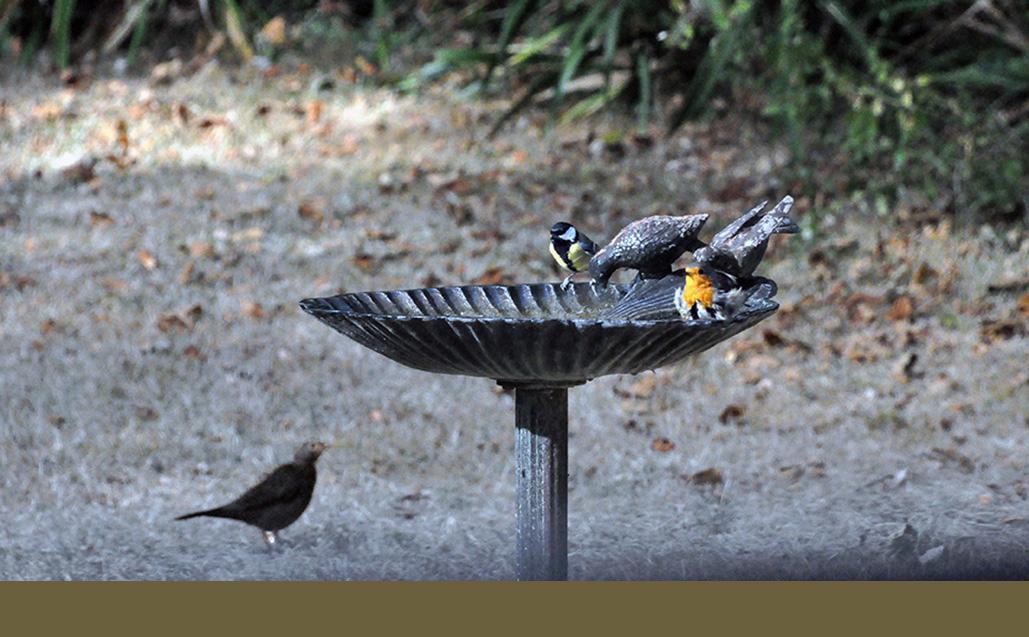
(212, 513)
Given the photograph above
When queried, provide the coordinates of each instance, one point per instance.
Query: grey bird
(739, 247)
(650, 245)
(278, 500)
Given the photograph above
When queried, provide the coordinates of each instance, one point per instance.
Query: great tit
(571, 249)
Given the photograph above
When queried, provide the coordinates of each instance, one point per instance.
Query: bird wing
(282, 485)
(729, 231)
(652, 299)
(587, 244)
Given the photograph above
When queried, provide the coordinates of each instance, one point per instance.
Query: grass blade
(643, 106)
(136, 14)
(513, 21)
(534, 46)
(235, 24)
(592, 104)
(577, 49)
(540, 84)
(60, 28)
(380, 14)
(611, 30)
(851, 27)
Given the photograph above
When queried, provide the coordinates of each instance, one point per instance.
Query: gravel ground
(153, 359)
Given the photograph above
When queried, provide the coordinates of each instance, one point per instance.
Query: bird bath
(538, 340)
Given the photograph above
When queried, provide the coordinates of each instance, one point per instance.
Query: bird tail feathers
(211, 513)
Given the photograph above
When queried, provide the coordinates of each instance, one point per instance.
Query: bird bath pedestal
(538, 340)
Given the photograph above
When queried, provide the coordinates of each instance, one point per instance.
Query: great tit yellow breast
(578, 258)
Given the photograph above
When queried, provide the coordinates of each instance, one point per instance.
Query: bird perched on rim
(739, 247)
(691, 294)
(276, 501)
(571, 249)
(707, 294)
(650, 245)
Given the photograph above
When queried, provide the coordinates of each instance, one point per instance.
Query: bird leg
(270, 539)
(567, 281)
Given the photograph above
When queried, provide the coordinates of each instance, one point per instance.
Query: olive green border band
(701, 608)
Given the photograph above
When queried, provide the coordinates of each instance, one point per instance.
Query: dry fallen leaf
(201, 250)
(1001, 329)
(47, 326)
(662, 445)
(212, 122)
(732, 413)
(904, 368)
(791, 472)
(147, 260)
(99, 219)
(924, 273)
(274, 31)
(950, 454)
(312, 209)
(122, 136)
(165, 72)
(147, 413)
(187, 272)
(252, 309)
(365, 66)
(710, 476)
(192, 351)
(169, 322)
(1010, 284)
(114, 285)
(642, 388)
(901, 310)
(313, 111)
(364, 262)
(182, 113)
(47, 111)
(492, 276)
(81, 171)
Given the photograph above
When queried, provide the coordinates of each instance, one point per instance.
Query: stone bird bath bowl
(539, 340)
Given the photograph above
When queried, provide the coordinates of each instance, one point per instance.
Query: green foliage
(923, 99)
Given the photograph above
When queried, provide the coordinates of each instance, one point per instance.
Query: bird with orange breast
(709, 294)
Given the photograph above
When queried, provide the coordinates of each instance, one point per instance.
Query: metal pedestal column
(541, 459)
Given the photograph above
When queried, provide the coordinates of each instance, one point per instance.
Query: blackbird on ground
(277, 501)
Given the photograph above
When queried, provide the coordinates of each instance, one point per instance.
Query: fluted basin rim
(523, 332)
(307, 305)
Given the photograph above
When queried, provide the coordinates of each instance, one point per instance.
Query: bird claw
(566, 282)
